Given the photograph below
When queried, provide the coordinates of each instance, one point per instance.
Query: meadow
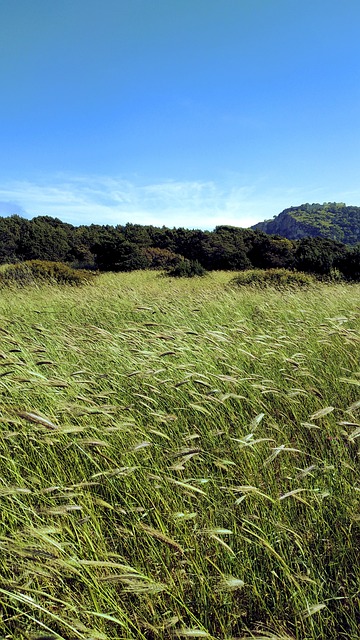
(179, 458)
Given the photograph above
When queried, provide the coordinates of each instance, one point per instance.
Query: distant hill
(333, 220)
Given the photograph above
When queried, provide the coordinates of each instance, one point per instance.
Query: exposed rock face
(285, 225)
(330, 220)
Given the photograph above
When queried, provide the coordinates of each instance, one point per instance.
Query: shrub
(186, 269)
(278, 278)
(161, 258)
(30, 272)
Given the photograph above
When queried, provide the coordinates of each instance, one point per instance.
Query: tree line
(133, 246)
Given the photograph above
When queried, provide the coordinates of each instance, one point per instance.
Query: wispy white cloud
(112, 200)
(9, 208)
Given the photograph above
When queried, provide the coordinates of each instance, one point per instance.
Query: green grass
(179, 458)
(35, 272)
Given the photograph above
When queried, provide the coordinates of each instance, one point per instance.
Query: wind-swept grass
(179, 459)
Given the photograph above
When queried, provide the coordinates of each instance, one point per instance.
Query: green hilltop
(333, 220)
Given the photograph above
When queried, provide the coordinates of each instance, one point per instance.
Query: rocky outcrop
(285, 225)
(335, 221)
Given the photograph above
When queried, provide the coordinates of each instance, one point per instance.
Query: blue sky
(179, 112)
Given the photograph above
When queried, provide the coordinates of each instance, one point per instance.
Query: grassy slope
(191, 485)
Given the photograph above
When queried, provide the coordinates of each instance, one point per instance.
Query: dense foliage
(333, 220)
(132, 246)
(186, 269)
(277, 278)
(39, 271)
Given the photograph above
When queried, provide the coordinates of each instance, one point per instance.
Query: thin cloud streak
(111, 200)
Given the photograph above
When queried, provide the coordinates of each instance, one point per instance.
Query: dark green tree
(349, 264)
(318, 255)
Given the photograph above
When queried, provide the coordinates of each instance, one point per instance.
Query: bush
(278, 278)
(186, 269)
(30, 272)
(161, 258)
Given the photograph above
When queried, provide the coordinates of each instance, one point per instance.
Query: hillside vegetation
(132, 247)
(332, 220)
(179, 458)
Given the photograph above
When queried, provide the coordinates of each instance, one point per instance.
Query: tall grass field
(179, 458)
